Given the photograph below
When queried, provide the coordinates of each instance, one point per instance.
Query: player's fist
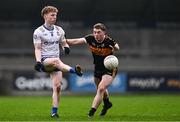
(39, 67)
(66, 50)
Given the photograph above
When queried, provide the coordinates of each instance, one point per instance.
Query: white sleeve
(84, 39)
(62, 38)
(36, 37)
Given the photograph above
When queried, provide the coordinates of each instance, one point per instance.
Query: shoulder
(39, 30)
(89, 37)
(58, 28)
(108, 38)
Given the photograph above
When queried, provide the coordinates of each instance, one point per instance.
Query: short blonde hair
(48, 9)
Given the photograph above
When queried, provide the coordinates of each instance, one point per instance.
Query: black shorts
(44, 58)
(100, 71)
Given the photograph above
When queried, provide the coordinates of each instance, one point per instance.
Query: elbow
(116, 47)
(69, 42)
(37, 49)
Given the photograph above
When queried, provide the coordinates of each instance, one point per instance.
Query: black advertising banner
(134, 81)
(153, 81)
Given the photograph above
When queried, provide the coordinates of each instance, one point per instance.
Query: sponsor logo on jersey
(50, 43)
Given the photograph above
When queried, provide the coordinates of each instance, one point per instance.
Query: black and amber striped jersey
(100, 49)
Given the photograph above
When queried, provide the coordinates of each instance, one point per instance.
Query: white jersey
(50, 40)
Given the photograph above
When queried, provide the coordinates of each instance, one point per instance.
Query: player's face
(99, 34)
(51, 17)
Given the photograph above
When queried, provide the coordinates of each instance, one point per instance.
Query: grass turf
(75, 108)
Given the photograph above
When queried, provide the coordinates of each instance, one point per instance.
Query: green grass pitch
(146, 107)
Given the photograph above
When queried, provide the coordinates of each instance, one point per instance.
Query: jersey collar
(48, 28)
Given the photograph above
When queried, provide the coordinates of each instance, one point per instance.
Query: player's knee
(101, 88)
(55, 63)
(58, 89)
(57, 85)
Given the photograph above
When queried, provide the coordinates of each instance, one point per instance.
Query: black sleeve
(112, 42)
(89, 38)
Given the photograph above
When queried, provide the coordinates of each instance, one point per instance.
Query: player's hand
(114, 73)
(66, 50)
(39, 67)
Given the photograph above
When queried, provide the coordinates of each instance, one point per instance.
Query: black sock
(93, 109)
(106, 101)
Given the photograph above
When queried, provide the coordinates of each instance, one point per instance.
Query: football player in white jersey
(47, 39)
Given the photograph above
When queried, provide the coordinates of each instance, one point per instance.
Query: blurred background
(148, 32)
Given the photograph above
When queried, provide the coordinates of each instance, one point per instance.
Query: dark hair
(48, 9)
(100, 26)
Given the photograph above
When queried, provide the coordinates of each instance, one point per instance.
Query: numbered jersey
(50, 40)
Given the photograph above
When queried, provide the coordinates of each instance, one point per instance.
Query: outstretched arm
(76, 41)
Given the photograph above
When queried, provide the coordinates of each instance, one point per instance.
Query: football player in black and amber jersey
(101, 45)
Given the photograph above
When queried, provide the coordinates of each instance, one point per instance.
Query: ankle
(93, 109)
(106, 101)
